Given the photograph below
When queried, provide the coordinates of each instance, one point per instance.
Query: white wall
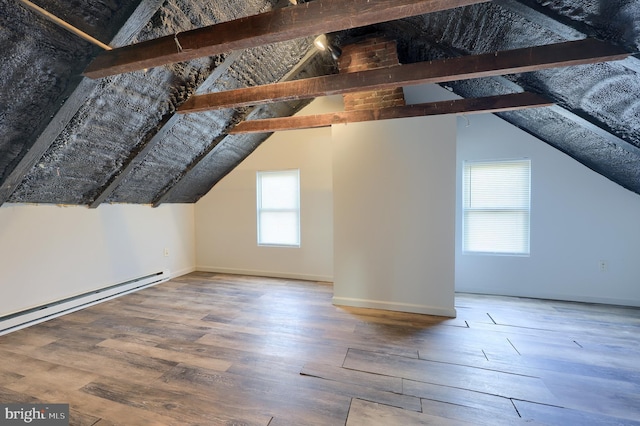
(578, 218)
(48, 253)
(226, 224)
(394, 211)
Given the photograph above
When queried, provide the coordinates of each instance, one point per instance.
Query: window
(279, 208)
(496, 203)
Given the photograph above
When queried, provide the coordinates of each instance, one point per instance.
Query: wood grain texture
(218, 349)
(366, 413)
(303, 20)
(527, 59)
(510, 102)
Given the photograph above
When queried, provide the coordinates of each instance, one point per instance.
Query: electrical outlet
(166, 252)
(602, 264)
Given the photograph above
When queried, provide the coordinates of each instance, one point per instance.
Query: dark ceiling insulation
(66, 139)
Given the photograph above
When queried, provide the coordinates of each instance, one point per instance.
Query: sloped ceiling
(68, 139)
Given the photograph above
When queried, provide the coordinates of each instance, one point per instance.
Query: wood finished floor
(210, 349)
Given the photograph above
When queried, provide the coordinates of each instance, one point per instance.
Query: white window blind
(496, 205)
(279, 208)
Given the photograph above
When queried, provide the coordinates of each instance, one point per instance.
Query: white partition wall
(394, 214)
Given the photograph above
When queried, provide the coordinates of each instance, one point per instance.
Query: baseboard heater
(32, 316)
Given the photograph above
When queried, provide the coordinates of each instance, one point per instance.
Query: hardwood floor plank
(152, 327)
(460, 397)
(7, 377)
(472, 415)
(621, 399)
(119, 364)
(365, 413)
(547, 414)
(275, 396)
(28, 338)
(350, 390)
(178, 405)
(167, 355)
(277, 344)
(78, 418)
(8, 396)
(25, 365)
(343, 375)
(459, 376)
(232, 348)
(91, 405)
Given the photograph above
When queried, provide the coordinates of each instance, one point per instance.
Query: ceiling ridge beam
(306, 19)
(489, 104)
(466, 67)
(70, 103)
(560, 25)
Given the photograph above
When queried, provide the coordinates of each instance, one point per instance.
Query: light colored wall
(48, 253)
(226, 217)
(394, 211)
(578, 218)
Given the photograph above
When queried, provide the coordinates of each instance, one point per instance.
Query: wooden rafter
(307, 19)
(510, 102)
(70, 102)
(159, 133)
(554, 22)
(490, 64)
(167, 192)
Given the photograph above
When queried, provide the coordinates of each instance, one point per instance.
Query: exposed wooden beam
(579, 117)
(566, 28)
(167, 192)
(589, 124)
(167, 123)
(70, 102)
(307, 19)
(153, 139)
(490, 64)
(489, 104)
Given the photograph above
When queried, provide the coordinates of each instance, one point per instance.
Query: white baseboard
(554, 296)
(38, 314)
(395, 306)
(183, 271)
(261, 273)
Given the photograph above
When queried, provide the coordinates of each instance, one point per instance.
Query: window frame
(260, 209)
(524, 209)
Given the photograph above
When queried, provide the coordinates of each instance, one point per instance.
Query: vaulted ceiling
(119, 134)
